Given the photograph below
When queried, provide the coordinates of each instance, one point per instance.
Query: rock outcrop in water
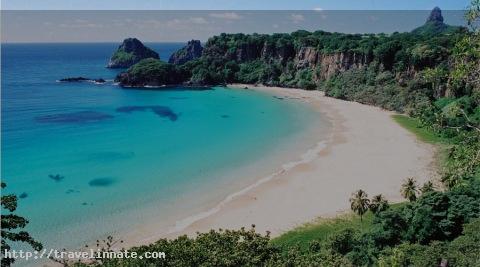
(74, 79)
(191, 51)
(130, 52)
(82, 79)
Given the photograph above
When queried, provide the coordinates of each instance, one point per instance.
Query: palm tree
(427, 187)
(359, 203)
(409, 189)
(378, 203)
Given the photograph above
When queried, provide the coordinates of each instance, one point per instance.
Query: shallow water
(91, 160)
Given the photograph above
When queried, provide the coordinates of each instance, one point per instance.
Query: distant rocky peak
(435, 15)
(435, 25)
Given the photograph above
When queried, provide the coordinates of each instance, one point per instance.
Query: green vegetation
(359, 203)
(322, 228)
(151, 72)
(122, 56)
(438, 226)
(409, 189)
(10, 225)
(422, 133)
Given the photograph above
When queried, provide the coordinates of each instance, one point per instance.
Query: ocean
(90, 160)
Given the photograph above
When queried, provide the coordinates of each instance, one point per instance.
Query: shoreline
(318, 184)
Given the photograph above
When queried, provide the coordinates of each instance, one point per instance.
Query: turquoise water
(91, 160)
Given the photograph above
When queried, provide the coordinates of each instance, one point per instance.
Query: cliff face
(331, 64)
(325, 64)
(328, 64)
(191, 51)
(277, 52)
(129, 53)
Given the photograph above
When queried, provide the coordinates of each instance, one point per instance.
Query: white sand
(367, 150)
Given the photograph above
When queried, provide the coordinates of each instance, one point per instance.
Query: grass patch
(321, 228)
(424, 134)
(123, 56)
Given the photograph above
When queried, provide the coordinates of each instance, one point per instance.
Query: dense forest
(431, 74)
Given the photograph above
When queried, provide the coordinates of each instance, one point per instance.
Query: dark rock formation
(129, 53)
(100, 80)
(75, 79)
(82, 79)
(435, 15)
(191, 51)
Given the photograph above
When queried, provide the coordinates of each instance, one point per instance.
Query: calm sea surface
(90, 160)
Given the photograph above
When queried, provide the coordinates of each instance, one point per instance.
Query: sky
(47, 21)
(181, 26)
(232, 4)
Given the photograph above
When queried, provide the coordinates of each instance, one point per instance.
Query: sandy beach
(366, 150)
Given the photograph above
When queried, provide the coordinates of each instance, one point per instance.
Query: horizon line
(313, 10)
(92, 42)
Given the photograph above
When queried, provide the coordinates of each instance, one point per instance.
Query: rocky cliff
(130, 52)
(191, 51)
(328, 64)
(304, 58)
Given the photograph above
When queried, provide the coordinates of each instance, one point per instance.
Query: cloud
(174, 24)
(80, 23)
(226, 15)
(297, 18)
(198, 20)
(320, 10)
